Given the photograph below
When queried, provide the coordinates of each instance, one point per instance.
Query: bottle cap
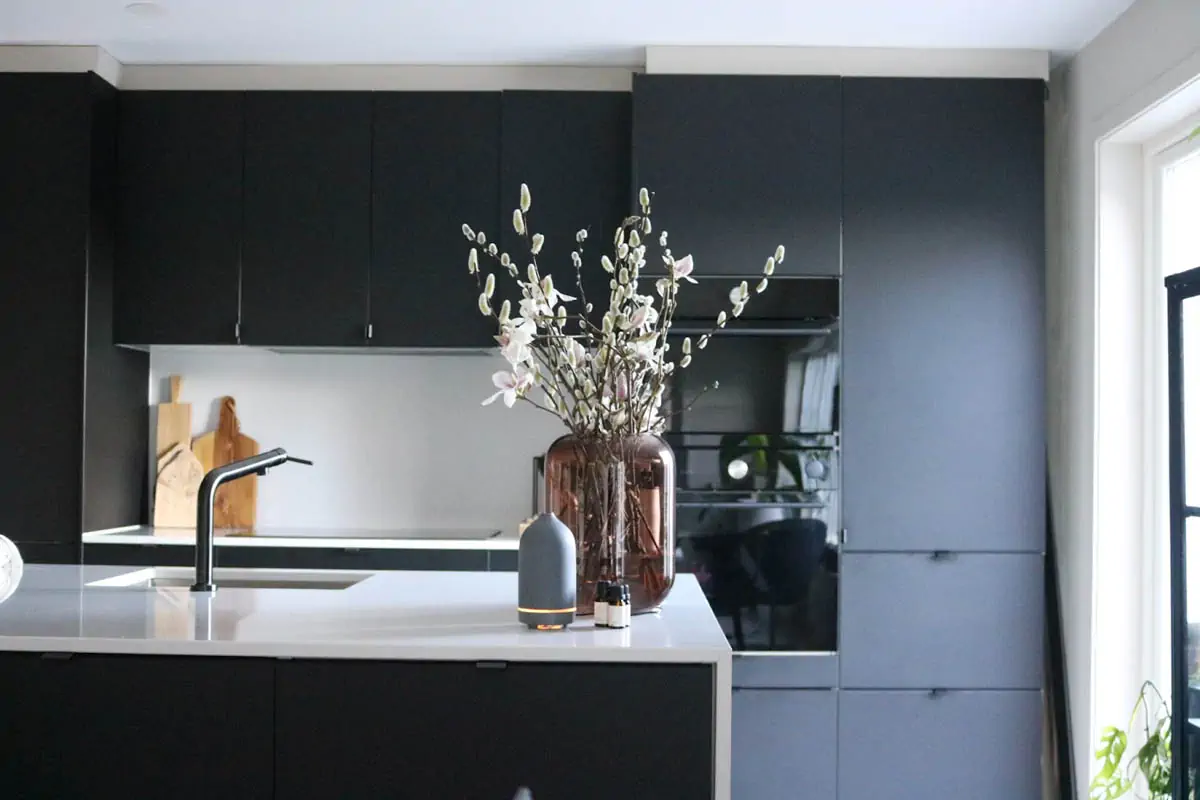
(614, 593)
(625, 593)
(602, 591)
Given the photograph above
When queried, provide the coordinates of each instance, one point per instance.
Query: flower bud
(531, 273)
(581, 235)
(489, 286)
(548, 286)
(518, 221)
(779, 254)
(662, 239)
(589, 308)
(505, 260)
(562, 313)
(646, 226)
(467, 232)
(643, 198)
(492, 250)
(623, 276)
(687, 346)
(769, 269)
(762, 286)
(576, 260)
(634, 239)
(622, 251)
(526, 198)
(535, 246)
(485, 308)
(607, 325)
(473, 261)
(505, 311)
(481, 238)
(683, 362)
(721, 318)
(607, 263)
(703, 343)
(738, 309)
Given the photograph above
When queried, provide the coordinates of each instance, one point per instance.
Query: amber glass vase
(618, 497)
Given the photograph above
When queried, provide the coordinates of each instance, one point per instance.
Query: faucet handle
(303, 461)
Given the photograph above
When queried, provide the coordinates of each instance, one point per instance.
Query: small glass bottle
(600, 607)
(619, 612)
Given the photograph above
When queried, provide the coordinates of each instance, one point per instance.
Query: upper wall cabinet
(307, 219)
(942, 333)
(740, 164)
(180, 217)
(436, 165)
(572, 149)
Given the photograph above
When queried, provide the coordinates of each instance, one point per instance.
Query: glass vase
(618, 497)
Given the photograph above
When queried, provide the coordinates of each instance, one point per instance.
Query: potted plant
(1146, 773)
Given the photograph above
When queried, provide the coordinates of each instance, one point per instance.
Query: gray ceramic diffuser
(546, 574)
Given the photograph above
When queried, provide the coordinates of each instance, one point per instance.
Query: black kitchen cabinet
(73, 422)
(573, 151)
(740, 164)
(436, 165)
(462, 729)
(180, 217)
(942, 320)
(306, 219)
(189, 727)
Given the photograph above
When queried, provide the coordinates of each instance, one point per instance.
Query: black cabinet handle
(936, 693)
(57, 656)
(491, 664)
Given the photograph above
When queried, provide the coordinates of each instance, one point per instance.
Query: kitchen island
(351, 684)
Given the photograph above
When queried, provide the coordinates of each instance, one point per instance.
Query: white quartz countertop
(354, 538)
(388, 615)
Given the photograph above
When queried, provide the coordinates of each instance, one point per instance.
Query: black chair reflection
(784, 565)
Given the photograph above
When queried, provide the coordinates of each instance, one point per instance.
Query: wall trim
(848, 61)
(60, 58)
(343, 77)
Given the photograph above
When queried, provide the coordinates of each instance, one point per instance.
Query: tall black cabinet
(72, 417)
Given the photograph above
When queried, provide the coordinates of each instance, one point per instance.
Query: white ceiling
(602, 32)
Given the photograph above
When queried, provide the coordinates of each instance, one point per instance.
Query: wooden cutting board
(235, 505)
(174, 424)
(176, 488)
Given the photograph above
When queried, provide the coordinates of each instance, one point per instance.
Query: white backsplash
(397, 441)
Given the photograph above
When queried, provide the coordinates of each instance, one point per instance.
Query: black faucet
(204, 506)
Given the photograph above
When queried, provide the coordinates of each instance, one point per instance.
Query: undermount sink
(184, 577)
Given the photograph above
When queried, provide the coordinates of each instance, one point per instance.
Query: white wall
(398, 441)
(1149, 52)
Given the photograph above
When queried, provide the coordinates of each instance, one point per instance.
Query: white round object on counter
(11, 568)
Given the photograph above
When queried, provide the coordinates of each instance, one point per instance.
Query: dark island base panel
(141, 555)
(48, 552)
(263, 728)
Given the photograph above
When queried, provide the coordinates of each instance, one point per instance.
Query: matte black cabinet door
(572, 149)
(943, 345)
(307, 230)
(740, 164)
(784, 744)
(457, 729)
(920, 745)
(436, 166)
(180, 217)
(189, 727)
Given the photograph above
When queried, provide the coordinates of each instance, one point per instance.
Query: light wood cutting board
(174, 425)
(236, 502)
(176, 488)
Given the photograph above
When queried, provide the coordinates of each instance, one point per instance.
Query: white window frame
(1160, 154)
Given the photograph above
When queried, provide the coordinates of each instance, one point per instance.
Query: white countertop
(400, 539)
(389, 615)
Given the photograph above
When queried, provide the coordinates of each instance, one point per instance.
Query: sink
(184, 577)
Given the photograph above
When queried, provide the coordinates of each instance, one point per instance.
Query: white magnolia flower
(642, 317)
(682, 268)
(551, 294)
(769, 268)
(661, 286)
(739, 293)
(779, 254)
(535, 246)
(467, 232)
(515, 340)
(644, 348)
(511, 385)
(526, 198)
(518, 221)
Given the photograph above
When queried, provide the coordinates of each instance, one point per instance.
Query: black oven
(758, 507)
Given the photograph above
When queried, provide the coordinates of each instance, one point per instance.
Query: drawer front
(784, 744)
(921, 745)
(941, 621)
